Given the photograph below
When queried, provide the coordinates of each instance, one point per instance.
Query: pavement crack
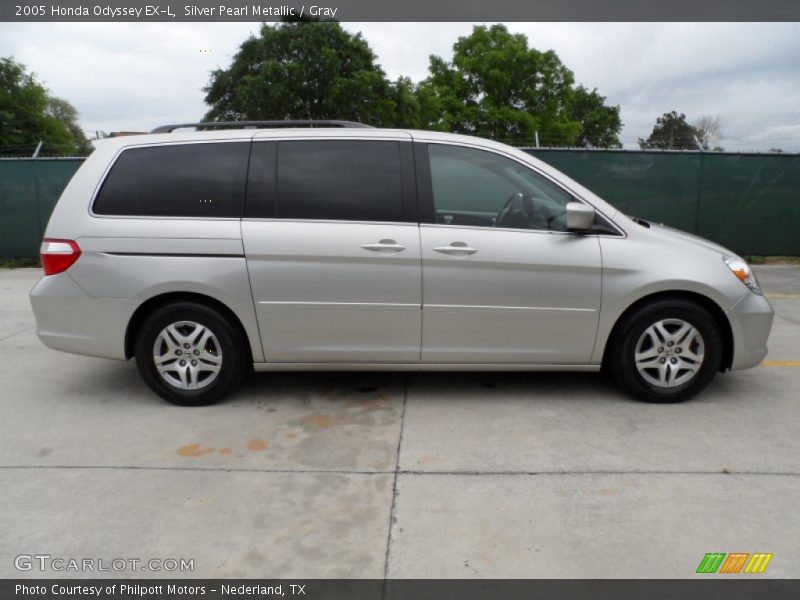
(195, 469)
(10, 335)
(394, 493)
(785, 318)
(468, 473)
(397, 472)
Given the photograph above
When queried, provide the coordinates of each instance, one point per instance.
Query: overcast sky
(136, 76)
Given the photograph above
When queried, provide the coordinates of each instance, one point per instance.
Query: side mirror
(580, 216)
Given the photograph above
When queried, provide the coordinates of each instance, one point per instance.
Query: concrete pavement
(408, 475)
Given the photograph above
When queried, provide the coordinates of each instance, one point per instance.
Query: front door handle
(384, 246)
(455, 248)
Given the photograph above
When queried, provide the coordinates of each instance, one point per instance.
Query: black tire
(227, 337)
(621, 357)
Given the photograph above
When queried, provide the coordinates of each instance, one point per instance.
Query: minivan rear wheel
(666, 351)
(189, 354)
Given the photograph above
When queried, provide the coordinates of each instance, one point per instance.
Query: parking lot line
(781, 363)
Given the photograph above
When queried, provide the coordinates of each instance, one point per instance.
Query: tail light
(58, 255)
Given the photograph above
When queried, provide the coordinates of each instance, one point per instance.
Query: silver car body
(309, 294)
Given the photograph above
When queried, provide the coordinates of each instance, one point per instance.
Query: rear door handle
(384, 246)
(455, 248)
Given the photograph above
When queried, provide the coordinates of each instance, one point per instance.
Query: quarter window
(354, 180)
(178, 180)
(480, 188)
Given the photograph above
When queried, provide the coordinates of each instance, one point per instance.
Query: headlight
(743, 272)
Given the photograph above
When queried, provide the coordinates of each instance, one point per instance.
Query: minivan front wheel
(666, 351)
(189, 354)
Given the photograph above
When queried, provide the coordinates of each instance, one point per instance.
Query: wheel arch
(709, 304)
(152, 304)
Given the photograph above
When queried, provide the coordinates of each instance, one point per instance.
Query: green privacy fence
(29, 189)
(747, 202)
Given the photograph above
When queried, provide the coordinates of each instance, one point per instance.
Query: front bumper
(70, 320)
(751, 322)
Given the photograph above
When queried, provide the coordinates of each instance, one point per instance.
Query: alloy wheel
(669, 353)
(187, 355)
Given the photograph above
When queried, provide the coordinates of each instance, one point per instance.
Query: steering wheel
(523, 217)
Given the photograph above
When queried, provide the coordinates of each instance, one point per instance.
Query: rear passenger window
(340, 180)
(180, 180)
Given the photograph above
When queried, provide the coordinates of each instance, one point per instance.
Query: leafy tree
(66, 114)
(405, 104)
(497, 86)
(600, 124)
(302, 70)
(29, 115)
(429, 107)
(671, 132)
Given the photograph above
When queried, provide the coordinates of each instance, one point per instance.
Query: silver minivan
(334, 246)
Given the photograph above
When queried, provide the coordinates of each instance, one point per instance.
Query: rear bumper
(751, 322)
(70, 320)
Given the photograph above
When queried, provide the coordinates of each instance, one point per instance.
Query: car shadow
(108, 381)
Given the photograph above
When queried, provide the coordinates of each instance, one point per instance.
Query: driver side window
(480, 188)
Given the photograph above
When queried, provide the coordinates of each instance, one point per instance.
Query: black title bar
(705, 587)
(400, 10)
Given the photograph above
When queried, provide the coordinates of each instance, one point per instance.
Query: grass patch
(772, 260)
(19, 263)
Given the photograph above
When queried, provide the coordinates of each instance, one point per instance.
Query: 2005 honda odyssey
(336, 246)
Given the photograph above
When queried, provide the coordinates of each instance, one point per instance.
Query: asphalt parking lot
(407, 475)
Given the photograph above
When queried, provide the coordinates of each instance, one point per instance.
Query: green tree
(405, 104)
(29, 114)
(67, 115)
(497, 86)
(671, 132)
(429, 107)
(302, 70)
(600, 124)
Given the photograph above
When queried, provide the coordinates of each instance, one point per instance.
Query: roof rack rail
(260, 124)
